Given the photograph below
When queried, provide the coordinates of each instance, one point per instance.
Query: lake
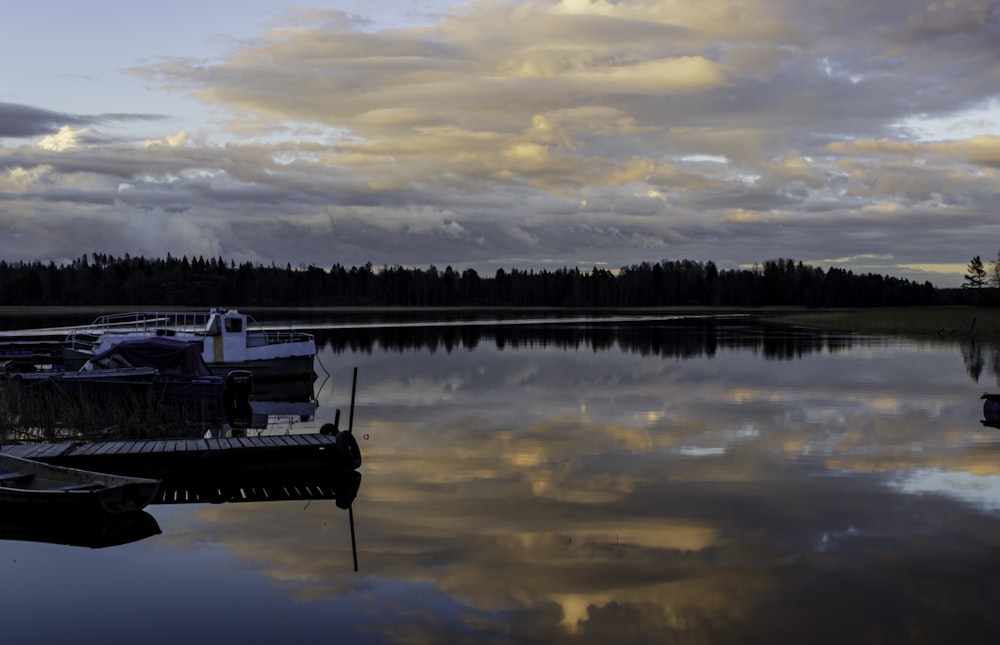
(642, 479)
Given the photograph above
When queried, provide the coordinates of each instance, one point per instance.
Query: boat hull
(288, 368)
(45, 488)
(280, 368)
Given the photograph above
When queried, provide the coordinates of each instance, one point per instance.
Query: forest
(105, 280)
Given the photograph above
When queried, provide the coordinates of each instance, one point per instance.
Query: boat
(229, 340)
(158, 372)
(33, 486)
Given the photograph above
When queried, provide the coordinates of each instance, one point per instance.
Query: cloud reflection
(746, 498)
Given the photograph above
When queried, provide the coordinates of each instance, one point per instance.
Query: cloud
(721, 130)
(26, 121)
(19, 121)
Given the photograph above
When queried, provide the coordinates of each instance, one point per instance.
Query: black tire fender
(348, 450)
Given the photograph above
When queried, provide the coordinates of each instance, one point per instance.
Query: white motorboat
(230, 340)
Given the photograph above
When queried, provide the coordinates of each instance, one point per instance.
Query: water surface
(690, 481)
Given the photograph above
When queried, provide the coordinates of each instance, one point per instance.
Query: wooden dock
(160, 458)
(296, 466)
(269, 449)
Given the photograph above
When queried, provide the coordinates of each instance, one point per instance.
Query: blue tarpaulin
(176, 357)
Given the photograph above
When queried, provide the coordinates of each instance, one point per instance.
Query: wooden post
(350, 509)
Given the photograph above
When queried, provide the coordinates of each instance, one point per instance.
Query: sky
(505, 134)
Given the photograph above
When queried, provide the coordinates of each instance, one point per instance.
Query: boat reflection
(282, 403)
(217, 485)
(93, 530)
(991, 410)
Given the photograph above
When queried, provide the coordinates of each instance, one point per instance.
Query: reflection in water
(980, 356)
(682, 337)
(95, 530)
(673, 485)
(566, 490)
(282, 404)
(231, 483)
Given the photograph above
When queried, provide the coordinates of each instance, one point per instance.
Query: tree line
(101, 279)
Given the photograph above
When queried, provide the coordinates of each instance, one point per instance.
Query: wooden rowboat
(27, 485)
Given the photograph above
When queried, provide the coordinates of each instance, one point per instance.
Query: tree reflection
(683, 338)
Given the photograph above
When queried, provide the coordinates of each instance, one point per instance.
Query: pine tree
(976, 277)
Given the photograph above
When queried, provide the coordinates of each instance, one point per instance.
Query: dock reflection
(226, 484)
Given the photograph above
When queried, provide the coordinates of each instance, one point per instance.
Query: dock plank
(86, 448)
(105, 447)
(45, 450)
(125, 448)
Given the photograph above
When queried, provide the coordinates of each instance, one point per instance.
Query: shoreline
(943, 320)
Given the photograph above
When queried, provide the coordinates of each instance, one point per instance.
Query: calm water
(623, 482)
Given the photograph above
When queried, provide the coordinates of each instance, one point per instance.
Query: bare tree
(994, 271)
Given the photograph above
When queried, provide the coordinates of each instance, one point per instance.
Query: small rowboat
(27, 485)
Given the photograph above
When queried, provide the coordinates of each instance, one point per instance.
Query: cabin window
(234, 325)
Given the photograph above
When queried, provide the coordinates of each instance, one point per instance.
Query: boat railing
(150, 321)
(81, 341)
(263, 337)
(87, 338)
(195, 322)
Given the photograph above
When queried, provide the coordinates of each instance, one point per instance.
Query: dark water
(656, 481)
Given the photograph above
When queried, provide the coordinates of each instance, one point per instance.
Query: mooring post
(354, 389)
(350, 428)
(354, 544)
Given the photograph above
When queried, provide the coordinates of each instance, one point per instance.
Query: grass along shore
(983, 322)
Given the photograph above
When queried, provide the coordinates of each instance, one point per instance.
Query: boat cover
(168, 355)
